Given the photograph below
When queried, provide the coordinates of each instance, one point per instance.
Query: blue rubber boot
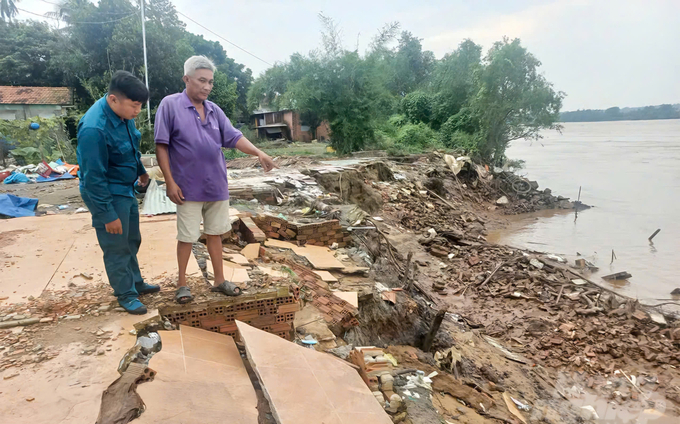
(143, 288)
(132, 305)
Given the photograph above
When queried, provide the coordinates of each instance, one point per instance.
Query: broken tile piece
(319, 256)
(349, 297)
(252, 251)
(202, 376)
(289, 372)
(326, 276)
(237, 258)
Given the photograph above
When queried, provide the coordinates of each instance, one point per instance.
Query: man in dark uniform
(110, 164)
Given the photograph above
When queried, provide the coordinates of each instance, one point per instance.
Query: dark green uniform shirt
(109, 158)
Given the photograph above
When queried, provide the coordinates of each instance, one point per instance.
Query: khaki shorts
(215, 216)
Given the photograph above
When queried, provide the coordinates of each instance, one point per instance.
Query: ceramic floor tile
(347, 391)
(271, 350)
(168, 366)
(210, 351)
(333, 388)
(172, 342)
(187, 390)
(210, 336)
(239, 387)
(323, 361)
(189, 402)
(286, 388)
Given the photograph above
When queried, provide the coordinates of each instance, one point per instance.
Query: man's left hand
(144, 180)
(266, 161)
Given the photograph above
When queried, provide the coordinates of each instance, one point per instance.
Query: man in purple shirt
(190, 132)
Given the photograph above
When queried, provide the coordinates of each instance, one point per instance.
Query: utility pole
(146, 65)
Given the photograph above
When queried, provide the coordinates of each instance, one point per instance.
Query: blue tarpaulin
(56, 177)
(16, 178)
(15, 206)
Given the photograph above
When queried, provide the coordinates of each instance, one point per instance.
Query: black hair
(128, 85)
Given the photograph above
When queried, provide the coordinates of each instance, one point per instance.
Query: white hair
(197, 62)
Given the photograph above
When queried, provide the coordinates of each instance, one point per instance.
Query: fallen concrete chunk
(289, 373)
(502, 201)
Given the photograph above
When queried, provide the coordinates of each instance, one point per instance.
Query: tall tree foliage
(97, 39)
(514, 100)
(8, 9)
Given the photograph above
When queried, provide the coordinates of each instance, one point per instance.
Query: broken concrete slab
(201, 378)
(333, 392)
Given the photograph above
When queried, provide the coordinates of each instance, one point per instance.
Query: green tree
(410, 65)
(453, 81)
(224, 93)
(514, 101)
(417, 107)
(26, 49)
(8, 9)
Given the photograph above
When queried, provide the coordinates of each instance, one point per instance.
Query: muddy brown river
(630, 172)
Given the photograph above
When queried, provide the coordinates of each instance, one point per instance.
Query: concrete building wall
(12, 112)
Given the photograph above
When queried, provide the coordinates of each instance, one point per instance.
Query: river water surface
(630, 172)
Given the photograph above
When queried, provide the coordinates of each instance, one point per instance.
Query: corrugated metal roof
(156, 201)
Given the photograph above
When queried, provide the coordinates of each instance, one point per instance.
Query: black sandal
(183, 295)
(228, 289)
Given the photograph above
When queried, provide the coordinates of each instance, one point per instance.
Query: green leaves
(224, 93)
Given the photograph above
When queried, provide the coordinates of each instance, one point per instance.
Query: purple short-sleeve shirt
(195, 147)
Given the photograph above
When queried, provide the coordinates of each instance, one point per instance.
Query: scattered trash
(557, 258)
(502, 201)
(589, 413)
(62, 207)
(81, 210)
(536, 263)
(521, 405)
(381, 287)
(512, 408)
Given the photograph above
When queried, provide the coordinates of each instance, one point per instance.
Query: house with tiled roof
(27, 102)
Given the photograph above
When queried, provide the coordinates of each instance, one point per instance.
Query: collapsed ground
(518, 324)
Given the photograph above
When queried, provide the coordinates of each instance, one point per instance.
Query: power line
(93, 23)
(217, 35)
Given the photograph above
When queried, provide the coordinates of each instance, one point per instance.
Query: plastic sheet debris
(456, 164)
(520, 405)
(419, 380)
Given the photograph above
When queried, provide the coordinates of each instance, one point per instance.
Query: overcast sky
(601, 53)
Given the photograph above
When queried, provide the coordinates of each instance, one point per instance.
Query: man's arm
(172, 189)
(162, 130)
(234, 139)
(244, 145)
(94, 163)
